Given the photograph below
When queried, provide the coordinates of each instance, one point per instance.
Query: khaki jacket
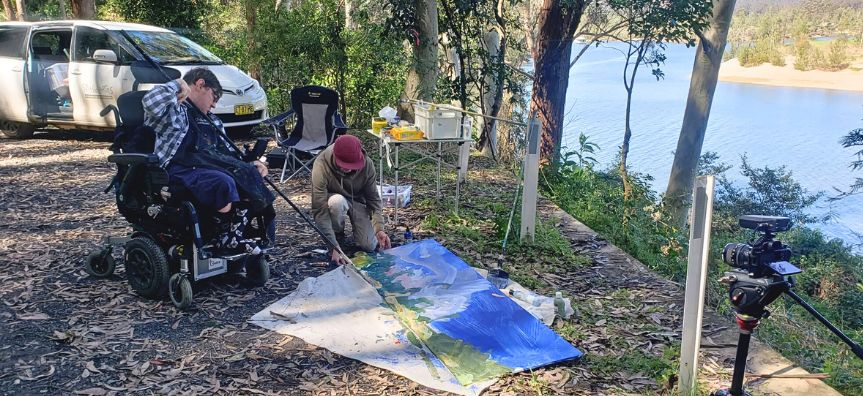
(358, 187)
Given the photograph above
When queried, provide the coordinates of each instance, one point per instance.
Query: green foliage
(832, 280)
(852, 139)
(770, 191)
(163, 13)
(803, 21)
(764, 50)
(837, 56)
(636, 225)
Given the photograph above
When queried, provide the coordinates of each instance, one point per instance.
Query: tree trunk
(493, 96)
(705, 72)
(349, 19)
(62, 4)
(9, 10)
(627, 129)
(423, 74)
(84, 9)
(21, 7)
(624, 148)
(558, 21)
(251, 12)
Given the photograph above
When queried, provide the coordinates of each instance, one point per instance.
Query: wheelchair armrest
(133, 158)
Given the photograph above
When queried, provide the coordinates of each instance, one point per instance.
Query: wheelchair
(166, 251)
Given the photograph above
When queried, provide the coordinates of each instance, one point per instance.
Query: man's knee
(338, 204)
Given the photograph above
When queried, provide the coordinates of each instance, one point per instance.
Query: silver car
(65, 73)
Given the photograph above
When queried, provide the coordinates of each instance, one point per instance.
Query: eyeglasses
(217, 94)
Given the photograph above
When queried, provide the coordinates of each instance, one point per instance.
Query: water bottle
(528, 297)
(409, 236)
(559, 305)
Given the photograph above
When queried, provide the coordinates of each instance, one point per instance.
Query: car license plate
(244, 109)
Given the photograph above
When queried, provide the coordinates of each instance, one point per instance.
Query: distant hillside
(758, 5)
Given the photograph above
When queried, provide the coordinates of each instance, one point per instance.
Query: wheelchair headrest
(131, 108)
(145, 73)
(132, 136)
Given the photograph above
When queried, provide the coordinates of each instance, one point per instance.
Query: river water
(799, 128)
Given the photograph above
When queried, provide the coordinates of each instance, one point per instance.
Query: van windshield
(172, 48)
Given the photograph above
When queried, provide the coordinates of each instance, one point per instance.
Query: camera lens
(736, 254)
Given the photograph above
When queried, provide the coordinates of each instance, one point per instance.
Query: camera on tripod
(761, 273)
(766, 256)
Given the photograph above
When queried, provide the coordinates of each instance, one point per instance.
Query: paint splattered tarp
(425, 297)
(477, 331)
(343, 313)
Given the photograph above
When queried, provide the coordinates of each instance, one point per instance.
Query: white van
(64, 73)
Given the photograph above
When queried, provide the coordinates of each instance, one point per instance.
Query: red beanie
(348, 153)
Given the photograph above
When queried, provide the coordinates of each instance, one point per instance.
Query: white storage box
(437, 123)
(58, 80)
(388, 194)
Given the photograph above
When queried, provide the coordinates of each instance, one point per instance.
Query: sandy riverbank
(850, 79)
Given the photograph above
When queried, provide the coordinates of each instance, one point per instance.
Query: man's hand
(383, 240)
(184, 91)
(337, 258)
(262, 168)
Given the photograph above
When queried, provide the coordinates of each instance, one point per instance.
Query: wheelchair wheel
(100, 264)
(147, 267)
(257, 270)
(180, 291)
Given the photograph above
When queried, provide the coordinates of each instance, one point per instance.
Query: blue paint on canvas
(451, 306)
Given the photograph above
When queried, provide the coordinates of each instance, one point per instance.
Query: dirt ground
(63, 332)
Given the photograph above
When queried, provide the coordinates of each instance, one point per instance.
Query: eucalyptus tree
(651, 25)
(86, 9)
(417, 22)
(557, 23)
(702, 86)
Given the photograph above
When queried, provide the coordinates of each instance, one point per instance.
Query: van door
(96, 84)
(13, 101)
(45, 72)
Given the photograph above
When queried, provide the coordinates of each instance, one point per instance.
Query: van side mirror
(104, 55)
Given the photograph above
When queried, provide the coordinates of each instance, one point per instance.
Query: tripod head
(751, 295)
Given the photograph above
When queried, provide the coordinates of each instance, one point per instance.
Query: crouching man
(344, 186)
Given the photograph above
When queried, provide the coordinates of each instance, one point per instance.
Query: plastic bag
(389, 113)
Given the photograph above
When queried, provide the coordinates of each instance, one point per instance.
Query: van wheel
(16, 130)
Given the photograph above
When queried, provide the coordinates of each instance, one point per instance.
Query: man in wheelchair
(191, 145)
(181, 183)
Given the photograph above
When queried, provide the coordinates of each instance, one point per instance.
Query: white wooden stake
(696, 282)
(531, 180)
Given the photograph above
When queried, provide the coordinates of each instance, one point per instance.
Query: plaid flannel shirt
(170, 121)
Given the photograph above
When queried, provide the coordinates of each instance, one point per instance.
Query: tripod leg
(740, 364)
(747, 325)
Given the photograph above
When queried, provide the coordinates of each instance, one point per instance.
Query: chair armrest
(338, 123)
(279, 119)
(133, 158)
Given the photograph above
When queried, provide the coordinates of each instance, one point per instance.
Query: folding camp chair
(316, 125)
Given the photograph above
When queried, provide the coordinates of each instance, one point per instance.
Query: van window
(88, 40)
(12, 41)
(51, 45)
(171, 48)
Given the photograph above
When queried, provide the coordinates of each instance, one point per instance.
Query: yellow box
(406, 133)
